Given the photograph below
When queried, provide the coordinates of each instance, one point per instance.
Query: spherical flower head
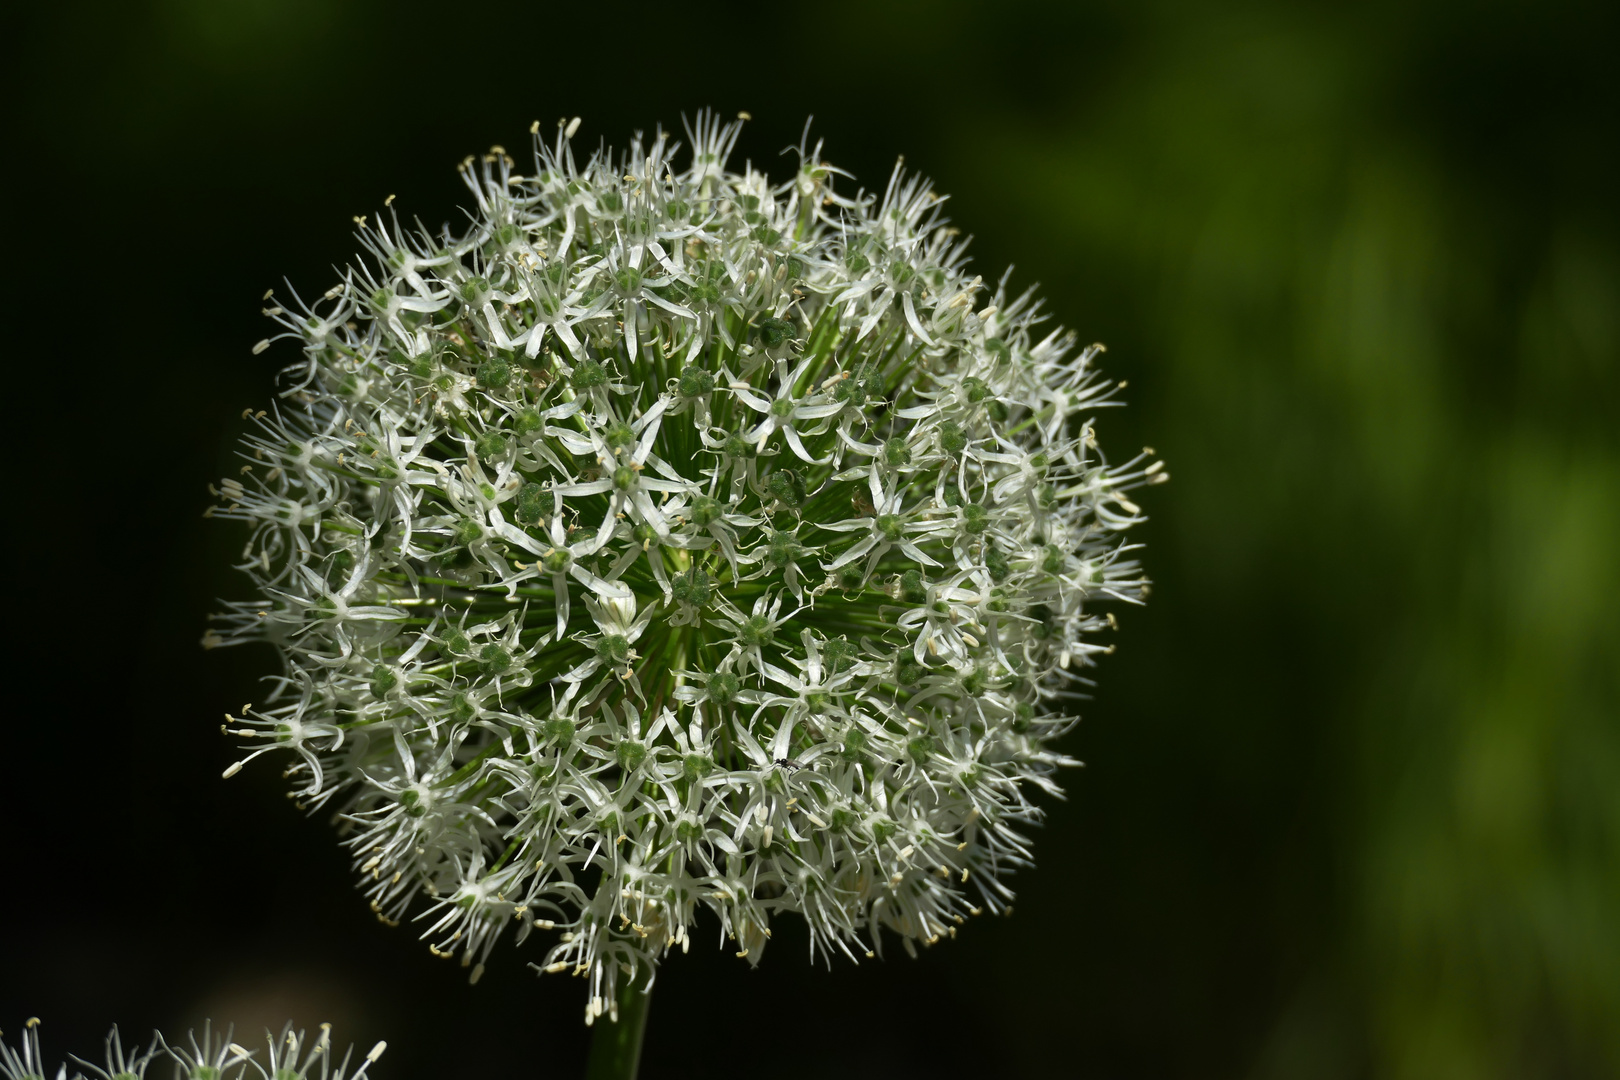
(675, 539)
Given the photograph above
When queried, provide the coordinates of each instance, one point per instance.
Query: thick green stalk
(616, 1046)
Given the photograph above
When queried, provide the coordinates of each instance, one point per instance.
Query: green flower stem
(616, 1046)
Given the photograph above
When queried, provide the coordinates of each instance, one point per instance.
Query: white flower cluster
(289, 1056)
(676, 540)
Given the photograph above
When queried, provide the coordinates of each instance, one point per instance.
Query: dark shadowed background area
(1352, 797)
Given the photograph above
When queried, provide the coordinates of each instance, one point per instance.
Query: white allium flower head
(671, 540)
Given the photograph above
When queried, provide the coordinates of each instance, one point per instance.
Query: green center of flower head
(684, 539)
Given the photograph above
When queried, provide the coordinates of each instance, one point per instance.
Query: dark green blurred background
(1352, 803)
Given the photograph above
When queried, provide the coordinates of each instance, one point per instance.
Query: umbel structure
(673, 539)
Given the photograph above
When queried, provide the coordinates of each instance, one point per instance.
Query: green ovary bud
(1053, 560)
(589, 375)
(618, 436)
(756, 631)
(773, 332)
(527, 422)
(494, 658)
(624, 478)
(851, 391)
(383, 679)
(913, 589)
(695, 383)
(723, 687)
(613, 648)
(490, 445)
(952, 438)
(467, 530)
(559, 731)
(854, 745)
(691, 588)
(782, 551)
(557, 560)
(630, 754)
(921, 748)
(705, 511)
(628, 280)
(494, 374)
(907, 672)
(787, 486)
(697, 766)
(413, 803)
(1045, 625)
(531, 503)
(895, 454)
(975, 518)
